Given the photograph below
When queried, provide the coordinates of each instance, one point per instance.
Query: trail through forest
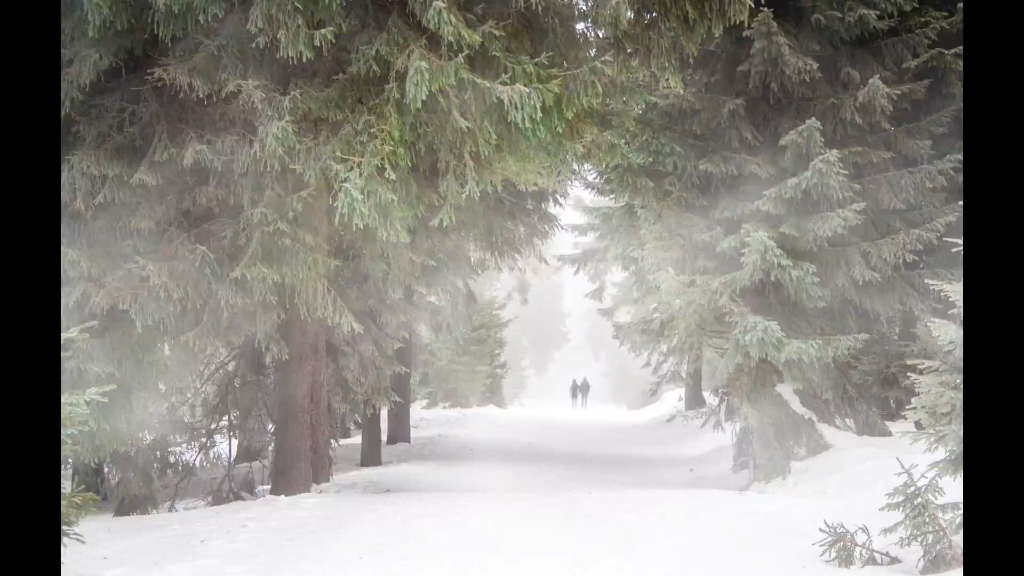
(522, 491)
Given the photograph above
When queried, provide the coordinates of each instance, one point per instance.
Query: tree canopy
(780, 205)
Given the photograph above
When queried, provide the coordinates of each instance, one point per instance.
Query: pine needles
(852, 548)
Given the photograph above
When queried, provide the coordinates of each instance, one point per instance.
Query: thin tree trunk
(252, 432)
(320, 414)
(694, 393)
(370, 449)
(400, 412)
(135, 490)
(907, 335)
(292, 469)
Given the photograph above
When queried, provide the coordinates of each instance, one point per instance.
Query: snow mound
(668, 403)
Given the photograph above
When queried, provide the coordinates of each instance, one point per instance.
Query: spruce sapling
(926, 521)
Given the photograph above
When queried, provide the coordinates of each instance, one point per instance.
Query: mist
(331, 272)
(558, 335)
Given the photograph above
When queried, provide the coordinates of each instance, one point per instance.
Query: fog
(558, 335)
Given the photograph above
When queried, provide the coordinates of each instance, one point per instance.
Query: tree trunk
(135, 491)
(907, 336)
(134, 503)
(694, 392)
(91, 477)
(301, 430)
(908, 326)
(320, 414)
(292, 469)
(782, 437)
(253, 439)
(370, 449)
(773, 434)
(319, 406)
(399, 413)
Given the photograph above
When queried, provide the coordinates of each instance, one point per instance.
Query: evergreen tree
(541, 321)
(879, 374)
(595, 332)
(627, 382)
(939, 382)
(519, 374)
(75, 500)
(927, 522)
(76, 417)
(778, 202)
(849, 548)
(232, 170)
(463, 364)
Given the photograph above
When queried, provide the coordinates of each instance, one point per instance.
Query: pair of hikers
(580, 391)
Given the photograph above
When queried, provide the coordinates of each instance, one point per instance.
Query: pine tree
(879, 377)
(927, 522)
(541, 321)
(627, 382)
(463, 359)
(399, 415)
(76, 416)
(777, 202)
(939, 382)
(488, 329)
(518, 377)
(237, 170)
(849, 548)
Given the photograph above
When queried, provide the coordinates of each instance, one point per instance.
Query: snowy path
(518, 492)
(530, 451)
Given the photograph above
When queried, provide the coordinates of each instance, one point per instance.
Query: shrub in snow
(849, 548)
(927, 522)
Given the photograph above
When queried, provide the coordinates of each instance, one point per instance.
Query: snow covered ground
(526, 491)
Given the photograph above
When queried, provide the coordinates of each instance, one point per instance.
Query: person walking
(584, 392)
(574, 392)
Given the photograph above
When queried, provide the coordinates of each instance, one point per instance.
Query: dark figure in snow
(584, 392)
(574, 392)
